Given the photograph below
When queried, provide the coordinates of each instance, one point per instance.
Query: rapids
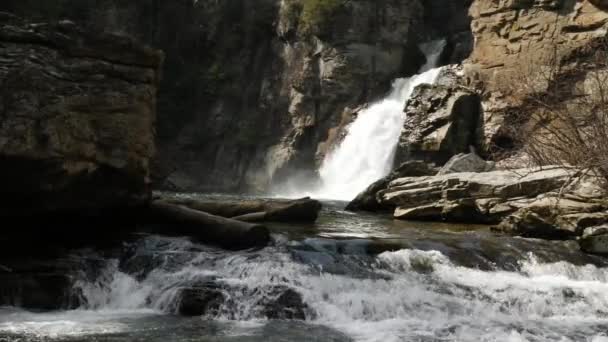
(361, 277)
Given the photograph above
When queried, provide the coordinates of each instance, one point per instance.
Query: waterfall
(367, 152)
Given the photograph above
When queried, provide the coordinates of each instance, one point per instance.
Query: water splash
(405, 295)
(368, 151)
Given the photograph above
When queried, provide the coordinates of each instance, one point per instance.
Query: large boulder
(469, 162)
(367, 199)
(441, 121)
(202, 300)
(38, 290)
(77, 118)
(551, 202)
(212, 299)
(595, 240)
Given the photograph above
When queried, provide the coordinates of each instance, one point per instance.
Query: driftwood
(300, 210)
(224, 232)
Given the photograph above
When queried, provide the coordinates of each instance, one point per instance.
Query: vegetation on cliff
(317, 14)
(564, 117)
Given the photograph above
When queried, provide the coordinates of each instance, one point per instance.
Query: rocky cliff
(77, 115)
(522, 52)
(255, 91)
(518, 41)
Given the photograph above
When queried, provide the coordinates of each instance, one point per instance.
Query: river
(361, 277)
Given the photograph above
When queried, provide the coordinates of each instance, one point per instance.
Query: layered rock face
(312, 73)
(241, 104)
(442, 120)
(77, 116)
(520, 48)
(549, 203)
(515, 42)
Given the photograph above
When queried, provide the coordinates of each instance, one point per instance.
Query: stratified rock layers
(77, 115)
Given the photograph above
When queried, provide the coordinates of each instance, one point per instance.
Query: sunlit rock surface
(549, 203)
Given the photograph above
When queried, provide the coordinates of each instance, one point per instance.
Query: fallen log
(261, 210)
(253, 217)
(301, 210)
(224, 232)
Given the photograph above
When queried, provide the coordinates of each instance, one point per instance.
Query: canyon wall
(77, 115)
(521, 50)
(254, 91)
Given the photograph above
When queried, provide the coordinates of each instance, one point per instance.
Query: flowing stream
(360, 278)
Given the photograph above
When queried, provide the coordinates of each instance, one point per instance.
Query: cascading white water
(368, 150)
(409, 295)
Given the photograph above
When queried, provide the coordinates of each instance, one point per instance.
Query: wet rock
(469, 162)
(595, 240)
(77, 118)
(531, 224)
(212, 299)
(37, 289)
(367, 199)
(288, 305)
(200, 300)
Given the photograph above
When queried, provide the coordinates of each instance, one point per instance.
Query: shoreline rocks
(595, 240)
(367, 200)
(551, 203)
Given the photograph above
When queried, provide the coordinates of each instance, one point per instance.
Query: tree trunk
(224, 232)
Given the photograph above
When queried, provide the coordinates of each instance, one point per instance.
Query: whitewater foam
(417, 295)
(368, 151)
(405, 295)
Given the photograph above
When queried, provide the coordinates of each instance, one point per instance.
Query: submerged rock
(595, 240)
(288, 305)
(200, 300)
(213, 299)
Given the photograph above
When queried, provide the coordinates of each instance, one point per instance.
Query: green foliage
(316, 14)
(213, 78)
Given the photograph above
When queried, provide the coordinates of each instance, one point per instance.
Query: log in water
(224, 232)
(356, 278)
(254, 210)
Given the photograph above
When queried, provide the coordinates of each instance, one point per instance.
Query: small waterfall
(403, 295)
(367, 153)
